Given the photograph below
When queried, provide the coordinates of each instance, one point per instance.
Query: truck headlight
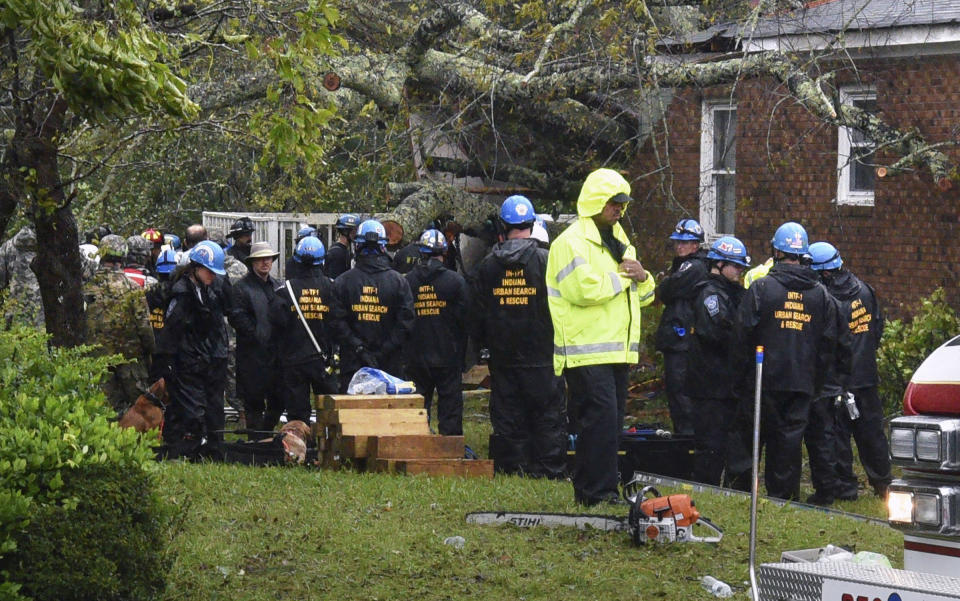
(900, 507)
(901, 443)
(927, 509)
(928, 445)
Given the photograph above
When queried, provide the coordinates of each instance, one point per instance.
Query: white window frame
(708, 191)
(846, 196)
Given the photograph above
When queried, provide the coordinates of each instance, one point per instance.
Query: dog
(295, 435)
(147, 412)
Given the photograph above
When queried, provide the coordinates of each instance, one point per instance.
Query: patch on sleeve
(173, 303)
(712, 303)
(684, 266)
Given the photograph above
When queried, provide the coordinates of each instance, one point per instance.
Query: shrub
(904, 346)
(54, 425)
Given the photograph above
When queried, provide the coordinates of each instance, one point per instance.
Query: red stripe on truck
(932, 398)
(932, 549)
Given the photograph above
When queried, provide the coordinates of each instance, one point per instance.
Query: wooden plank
(475, 376)
(369, 401)
(478, 468)
(422, 446)
(353, 446)
(372, 416)
(383, 429)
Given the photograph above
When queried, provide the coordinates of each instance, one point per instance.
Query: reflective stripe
(647, 295)
(586, 349)
(553, 292)
(576, 262)
(634, 347)
(633, 285)
(615, 280)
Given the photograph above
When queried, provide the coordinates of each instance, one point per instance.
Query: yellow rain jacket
(757, 272)
(595, 311)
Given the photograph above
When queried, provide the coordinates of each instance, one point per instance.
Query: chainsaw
(652, 517)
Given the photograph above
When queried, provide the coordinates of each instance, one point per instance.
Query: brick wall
(906, 245)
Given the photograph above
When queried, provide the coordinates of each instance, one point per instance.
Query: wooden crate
(426, 446)
(368, 401)
(478, 468)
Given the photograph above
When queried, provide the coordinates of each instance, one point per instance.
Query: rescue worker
(372, 308)
(596, 287)
(677, 292)
(242, 233)
(195, 234)
(158, 295)
(440, 301)
(860, 311)
(513, 321)
(135, 263)
(793, 317)
(408, 257)
(155, 238)
(118, 321)
(191, 356)
(339, 257)
(304, 367)
(291, 268)
(257, 316)
(18, 280)
(710, 376)
(757, 272)
(236, 270)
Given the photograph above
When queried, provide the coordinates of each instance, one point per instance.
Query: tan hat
(261, 250)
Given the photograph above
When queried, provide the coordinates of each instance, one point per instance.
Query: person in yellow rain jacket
(596, 287)
(757, 272)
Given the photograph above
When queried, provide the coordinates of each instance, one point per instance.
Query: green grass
(294, 533)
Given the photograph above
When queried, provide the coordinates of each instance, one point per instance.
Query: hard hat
(729, 249)
(687, 229)
(825, 256)
(540, 232)
(173, 240)
(433, 242)
(152, 235)
(790, 238)
(113, 247)
(309, 251)
(371, 235)
(166, 260)
(306, 231)
(241, 226)
(347, 221)
(517, 210)
(138, 250)
(208, 254)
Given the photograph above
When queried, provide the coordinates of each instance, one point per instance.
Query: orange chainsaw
(652, 518)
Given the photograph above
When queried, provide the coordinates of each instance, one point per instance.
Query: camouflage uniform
(23, 291)
(118, 320)
(138, 255)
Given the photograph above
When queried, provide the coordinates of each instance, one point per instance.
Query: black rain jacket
(258, 318)
(193, 331)
(677, 292)
(712, 372)
(314, 294)
(337, 260)
(511, 316)
(863, 318)
(440, 302)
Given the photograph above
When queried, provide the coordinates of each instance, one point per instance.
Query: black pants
(783, 420)
(526, 410)
(872, 445)
(820, 438)
(259, 387)
(597, 401)
(712, 420)
(195, 411)
(298, 380)
(446, 381)
(681, 407)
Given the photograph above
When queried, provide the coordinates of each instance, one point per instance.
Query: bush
(54, 425)
(904, 346)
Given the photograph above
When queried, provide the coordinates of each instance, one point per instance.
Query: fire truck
(924, 504)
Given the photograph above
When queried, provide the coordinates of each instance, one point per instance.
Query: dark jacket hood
(428, 270)
(794, 277)
(373, 263)
(843, 285)
(516, 251)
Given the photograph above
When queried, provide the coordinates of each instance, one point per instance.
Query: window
(718, 168)
(855, 165)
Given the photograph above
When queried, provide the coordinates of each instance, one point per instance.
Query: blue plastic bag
(368, 380)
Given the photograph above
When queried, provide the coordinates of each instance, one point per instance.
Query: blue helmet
(729, 249)
(687, 229)
(208, 254)
(173, 240)
(306, 231)
(825, 256)
(371, 236)
(166, 260)
(347, 221)
(517, 210)
(790, 238)
(433, 242)
(310, 251)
